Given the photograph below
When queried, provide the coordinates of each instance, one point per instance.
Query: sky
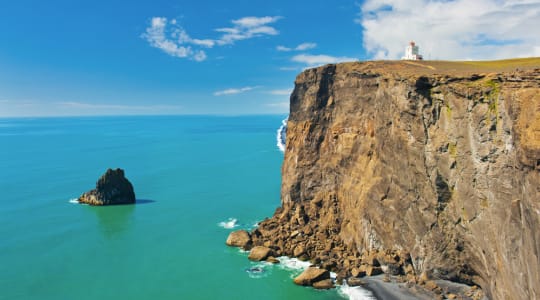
(78, 58)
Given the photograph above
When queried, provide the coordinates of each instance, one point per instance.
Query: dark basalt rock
(111, 188)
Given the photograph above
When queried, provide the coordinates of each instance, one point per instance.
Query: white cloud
(284, 92)
(283, 48)
(246, 28)
(36, 108)
(282, 105)
(460, 29)
(301, 47)
(156, 35)
(234, 91)
(289, 68)
(251, 22)
(316, 60)
(118, 107)
(168, 36)
(305, 46)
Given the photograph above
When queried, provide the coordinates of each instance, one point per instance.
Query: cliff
(112, 188)
(428, 170)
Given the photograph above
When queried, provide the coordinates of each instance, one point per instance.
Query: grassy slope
(445, 67)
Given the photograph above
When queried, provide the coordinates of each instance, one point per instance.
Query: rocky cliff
(426, 170)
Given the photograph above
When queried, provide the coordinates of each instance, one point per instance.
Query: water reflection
(114, 220)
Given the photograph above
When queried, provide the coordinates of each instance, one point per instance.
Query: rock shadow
(144, 201)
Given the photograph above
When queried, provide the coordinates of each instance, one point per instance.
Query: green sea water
(190, 173)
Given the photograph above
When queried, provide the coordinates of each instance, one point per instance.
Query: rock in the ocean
(259, 253)
(111, 188)
(239, 238)
(312, 275)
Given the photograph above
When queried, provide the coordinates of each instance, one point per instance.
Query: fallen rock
(111, 188)
(239, 238)
(355, 281)
(312, 275)
(259, 253)
(372, 271)
(323, 284)
(273, 260)
(356, 272)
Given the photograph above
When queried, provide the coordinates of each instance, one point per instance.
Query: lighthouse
(412, 52)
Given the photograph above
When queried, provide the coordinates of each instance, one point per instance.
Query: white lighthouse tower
(412, 52)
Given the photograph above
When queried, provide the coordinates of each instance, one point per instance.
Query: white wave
(292, 264)
(74, 201)
(229, 224)
(355, 292)
(259, 270)
(281, 135)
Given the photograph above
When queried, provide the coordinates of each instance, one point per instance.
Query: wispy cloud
(283, 104)
(234, 91)
(301, 47)
(316, 60)
(290, 68)
(246, 28)
(157, 36)
(460, 29)
(172, 39)
(102, 106)
(36, 108)
(283, 92)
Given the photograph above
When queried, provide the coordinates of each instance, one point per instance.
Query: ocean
(196, 178)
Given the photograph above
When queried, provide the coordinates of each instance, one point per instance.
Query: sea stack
(112, 188)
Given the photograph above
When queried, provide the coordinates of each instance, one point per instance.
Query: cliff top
(440, 67)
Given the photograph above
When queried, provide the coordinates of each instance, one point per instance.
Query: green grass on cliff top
(419, 67)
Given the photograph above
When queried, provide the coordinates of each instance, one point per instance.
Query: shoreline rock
(312, 275)
(112, 188)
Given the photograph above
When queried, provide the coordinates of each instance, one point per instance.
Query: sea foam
(74, 201)
(355, 292)
(259, 270)
(292, 264)
(281, 135)
(229, 224)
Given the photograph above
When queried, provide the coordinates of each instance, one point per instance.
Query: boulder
(299, 250)
(356, 272)
(355, 281)
(372, 271)
(323, 284)
(111, 188)
(312, 275)
(239, 238)
(259, 253)
(273, 260)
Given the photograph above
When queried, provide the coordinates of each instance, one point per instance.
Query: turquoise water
(189, 174)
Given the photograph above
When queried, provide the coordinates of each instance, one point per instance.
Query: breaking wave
(229, 224)
(281, 135)
(355, 292)
(74, 201)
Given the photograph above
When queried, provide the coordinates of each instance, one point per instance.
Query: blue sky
(224, 57)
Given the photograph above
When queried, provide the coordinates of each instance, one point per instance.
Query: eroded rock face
(111, 188)
(428, 174)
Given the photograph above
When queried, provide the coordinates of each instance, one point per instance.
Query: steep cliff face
(433, 166)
